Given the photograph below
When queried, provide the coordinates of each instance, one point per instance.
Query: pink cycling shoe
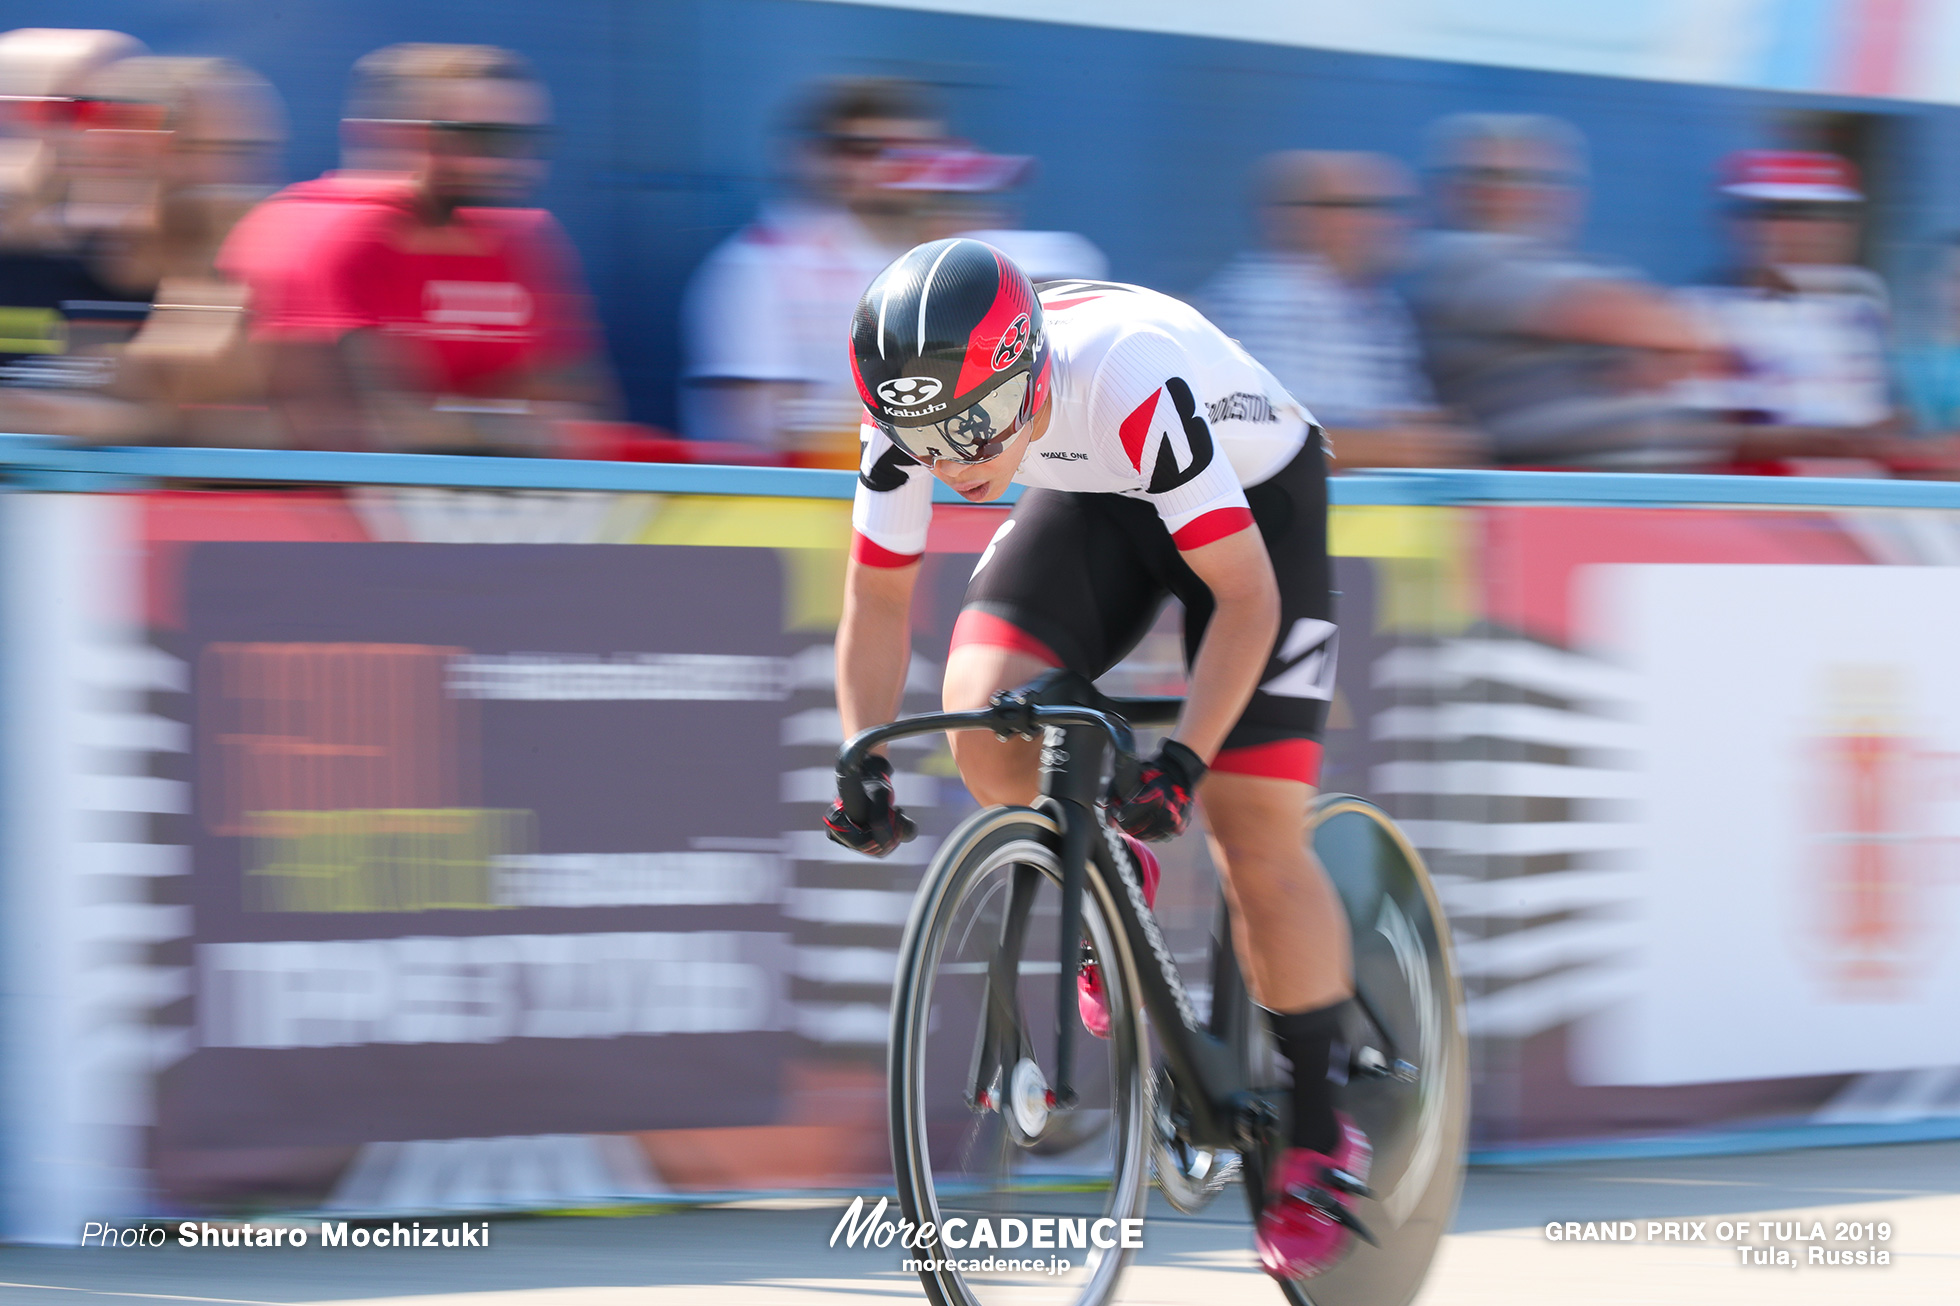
(1090, 999)
(1309, 1223)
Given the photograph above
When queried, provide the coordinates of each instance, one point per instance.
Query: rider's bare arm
(874, 643)
(1237, 642)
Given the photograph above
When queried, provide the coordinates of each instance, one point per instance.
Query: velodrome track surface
(774, 1254)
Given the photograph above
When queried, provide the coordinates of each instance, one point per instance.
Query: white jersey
(1150, 401)
(767, 306)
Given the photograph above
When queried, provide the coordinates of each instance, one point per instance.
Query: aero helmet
(948, 351)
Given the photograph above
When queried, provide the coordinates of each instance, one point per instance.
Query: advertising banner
(1799, 910)
(474, 814)
(1685, 781)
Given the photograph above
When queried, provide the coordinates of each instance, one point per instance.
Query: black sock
(1310, 1040)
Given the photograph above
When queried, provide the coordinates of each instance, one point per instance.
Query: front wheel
(976, 1142)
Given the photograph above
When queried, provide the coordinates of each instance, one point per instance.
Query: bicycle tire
(987, 841)
(1418, 1126)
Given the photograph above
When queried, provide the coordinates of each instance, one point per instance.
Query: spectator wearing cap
(1313, 306)
(1560, 359)
(1802, 328)
(413, 302)
(765, 312)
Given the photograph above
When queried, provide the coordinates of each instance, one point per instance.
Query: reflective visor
(975, 434)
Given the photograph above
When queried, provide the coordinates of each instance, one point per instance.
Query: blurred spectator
(968, 190)
(1804, 329)
(60, 305)
(1313, 307)
(176, 152)
(766, 311)
(1561, 360)
(411, 304)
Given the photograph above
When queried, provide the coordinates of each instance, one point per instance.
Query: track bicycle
(996, 1119)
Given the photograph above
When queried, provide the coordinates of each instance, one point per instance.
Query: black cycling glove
(1161, 805)
(885, 828)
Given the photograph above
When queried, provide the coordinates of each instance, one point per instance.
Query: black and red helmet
(948, 350)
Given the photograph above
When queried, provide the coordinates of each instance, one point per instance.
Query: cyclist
(1161, 459)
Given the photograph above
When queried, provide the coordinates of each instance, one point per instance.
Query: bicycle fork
(1071, 779)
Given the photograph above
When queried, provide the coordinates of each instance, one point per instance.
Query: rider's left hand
(885, 826)
(1161, 806)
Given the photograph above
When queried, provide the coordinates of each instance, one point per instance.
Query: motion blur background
(1143, 132)
(377, 847)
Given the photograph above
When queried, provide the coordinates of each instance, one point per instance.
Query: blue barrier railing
(31, 462)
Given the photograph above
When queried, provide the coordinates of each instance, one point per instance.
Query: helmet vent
(925, 291)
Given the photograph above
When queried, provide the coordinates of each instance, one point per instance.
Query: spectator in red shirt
(410, 303)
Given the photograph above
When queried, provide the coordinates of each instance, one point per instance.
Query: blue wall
(666, 106)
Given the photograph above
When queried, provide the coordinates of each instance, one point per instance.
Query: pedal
(1336, 1212)
(1347, 1183)
(1372, 1063)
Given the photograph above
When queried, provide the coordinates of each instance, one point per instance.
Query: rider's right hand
(885, 827)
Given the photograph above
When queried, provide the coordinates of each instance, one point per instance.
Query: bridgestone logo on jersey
(1241, 407)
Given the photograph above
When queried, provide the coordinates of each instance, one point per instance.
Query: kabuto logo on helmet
(905, 391)
(1012, 342)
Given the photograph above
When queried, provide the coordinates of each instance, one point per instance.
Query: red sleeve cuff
(872, 554)
(1214, 525)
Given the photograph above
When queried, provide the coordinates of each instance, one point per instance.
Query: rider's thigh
(1293, 932)
(996, 771)
(1256, 816)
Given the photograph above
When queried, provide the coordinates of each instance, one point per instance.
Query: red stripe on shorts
(1283, 759)
(1214, 525)
(984, 628)
(873, 554)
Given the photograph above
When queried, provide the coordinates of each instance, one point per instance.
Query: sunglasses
(1377, 203)
(497, 140)
(85, 112)
(850, 145)
(1545, 177)
(1798, 211)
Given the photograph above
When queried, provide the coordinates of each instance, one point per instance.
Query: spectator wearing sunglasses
(411, 301)
(61, 302)
(1560, 359)
(1804, 330)
(765, 311)
(1313, 304)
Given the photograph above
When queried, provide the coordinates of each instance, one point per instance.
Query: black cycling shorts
(1077, 580)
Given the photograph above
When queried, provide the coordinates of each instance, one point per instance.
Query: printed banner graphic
(483, 814)
(1798, 745)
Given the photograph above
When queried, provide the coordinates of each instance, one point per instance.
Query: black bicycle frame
(1081, 730)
